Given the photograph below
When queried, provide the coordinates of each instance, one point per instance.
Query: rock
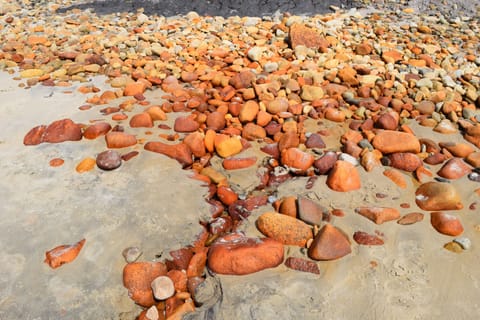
(297, 159)
(116, 140)
(180, 259)
(315, 141)
(378, 215)
(141, 120)
(348, 75)
(238, 163)
(96, 130)
(324, 164)
(134, 88)
(388, 121)
(194, 141)
(300, 34)
(226, 195)
(392, 56)
(227, 146)
(366, 239)
(310, 212)
(453, 246)
(253, 132)
(60, 255)
(330, 243)
(425, 107)
(301, 264)
(162, 287)
(343, 177)
(255, 53)
(179, 152)
(131, 254)
(242, 80)
(289, 139)
(435, 196)
(458, 149)
(185, 124)
(156, 113)
(363, 49)
(396, 177)
(288, 206)
(108, 160)
(34, 136)
(446, 127)
(474, 159)
(310, 93)
(284, 229)
(56, 162)
(446, 223)
(387, 141)
(278, 105)
(435, 158)
(85, 165)
(216, 121)
(137, 278)
(197, 264)
(62, 130)
(249, 111)
(454, 168)
(410, 218)
(464, 242)
(405, 161)
(236, 254)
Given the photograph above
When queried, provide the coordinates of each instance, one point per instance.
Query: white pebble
(163, 288)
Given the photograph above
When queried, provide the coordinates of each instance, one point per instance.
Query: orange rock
(297, 159)
(187, 307)
(249, 111)
(134, 88)
(62, 130)
(216, 121)
(85, 165)
(238, 163)
(343, 177)
(455, 168)
(347, 75)
(96, 130)
(378, 215)
(194, 141)
(179, 279)
(197, 264)
(366, 239)
(263, 118)
(156, 113)
(137, 278)
(388, 121)
(458, 149)
(302, 35)
(446, 223)
(186, 124)
(180, 152)
(310, 211)
(285, 229)
(363, 49)
(56, 162)
(288, 206)
(63, 254)
(387, 141)
(141, 120)
(396, 177)
(392, 56)
(116, 140)
(435, 196)
(330, 243)
(226, 195)
(404, 161)
(252, 132)
(474, 159)
(34, 136)
(209, 140)
(227, 146)
(242, 79)
(236, 254)
(288, 140)
(410, 218)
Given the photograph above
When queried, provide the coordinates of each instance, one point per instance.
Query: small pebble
(464, 242)
(163, 288)
(131, 254)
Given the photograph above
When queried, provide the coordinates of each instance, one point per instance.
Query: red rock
(302, 35)
(454, 168)
(343, 177)
(60, 255)
(396, 177)
(315, 141)
(116, 140)
(410, 218)
(226, 195)
(185, 124)
(388, 121)
(216, 121)
(253, 132)
(405, 161)
(310, 212)
(180, 259)
(446, 223)
(62, 130)
(238, 163)
(96, 130)
(387, 141)
(141, 120)
(378, 215)
(197, 264)
(137, 278)
(330, 243)
(34, 136)
(435, 158)
(129, 155)
(194, 141)
(366, 239)
(284, 229)
(236, 254)
(56, 162)
(297, 159)
(435, 196)
(324, 164)
(134, 88)
(242, 80)
(180, 152)
(301, 264)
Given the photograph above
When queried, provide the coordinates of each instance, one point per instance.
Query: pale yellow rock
(310, 93)
(31, 73)
(229, 147)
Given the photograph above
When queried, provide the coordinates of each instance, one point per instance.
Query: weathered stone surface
(325, 163)
(301, 264)
(410, 218)
(297, 159)
(378, 215)
(436, 196)
(454, 168)
(388, 141)
(366, 239)
(96, 130)
(227, 146)
(446, 223)
(186, 124)
(284, 229)
(117, 140)
(305, 36)
(180, 152)
(141, 120)
(62, 130)
(405, 161)
(137, 278)
(330, 243)
(343, 177)
(310, 212)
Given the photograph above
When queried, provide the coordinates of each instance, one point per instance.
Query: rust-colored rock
(297, 159)
(134, 88)
(141, 120)
(185, 124)
(366, 239)
(242, 80)
(301, 264)
(156, 113)
(197, 264)
(325, 163)
(96, 130)
(236, 254)
(179, 279)
(454, 168)
(289, 139)
(310, 212)
(285, 229)
(387, 141)
(330, 243)
(404, 161)
(85, 165)
(410, 218)
(226, 195)
(343, 177)
(194, 141)
(56, 162)
(288, 206)
(180, 152)
(315, 141)
(34, 136)
(458, 149)
(238, 163)
(436, 196)
(116, 140)
(62, 130)
(446, 223)
(60, 255)
(252, 132)
(305, 36)
(396, 176)
(216, 121)
(249, 111)
(378, 215)
(137, 278)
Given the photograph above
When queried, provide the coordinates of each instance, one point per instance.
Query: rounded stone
(109, 160)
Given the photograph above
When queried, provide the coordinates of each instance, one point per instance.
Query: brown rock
(252, 132)
(387, 141)
(185, 124)
(278, 105)
(284, 229)
(195, 143)
(366, 239)
(446, 223)
(310, 212)
(435, 196)
(197, 264)
(180, 152)
(62, 130)
(141, 120)
(297, 159)
(324, 164)
(388, 121)
(156, 113)
(180, 258)
(216, 121)
(96, 130)
(410, 218)
(34, 136)
(117, 140)
(454, 168)
(392, 56)
(315, 141)
(330, 243)
(108, 160)
(236, 254)
(425, 107)
(288, 206)
(405, 161)
(302, 35)
(301, 264)
(137, 278)
(56, 162)
(363, 49)
(238, 163)
(435, 158)
(242, 80)
(378, 215)
(343, 177)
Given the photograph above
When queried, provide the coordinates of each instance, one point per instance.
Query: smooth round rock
(109, 160)
(163, 288)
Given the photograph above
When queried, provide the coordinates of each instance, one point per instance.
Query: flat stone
(330, 243)
(435, 196)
